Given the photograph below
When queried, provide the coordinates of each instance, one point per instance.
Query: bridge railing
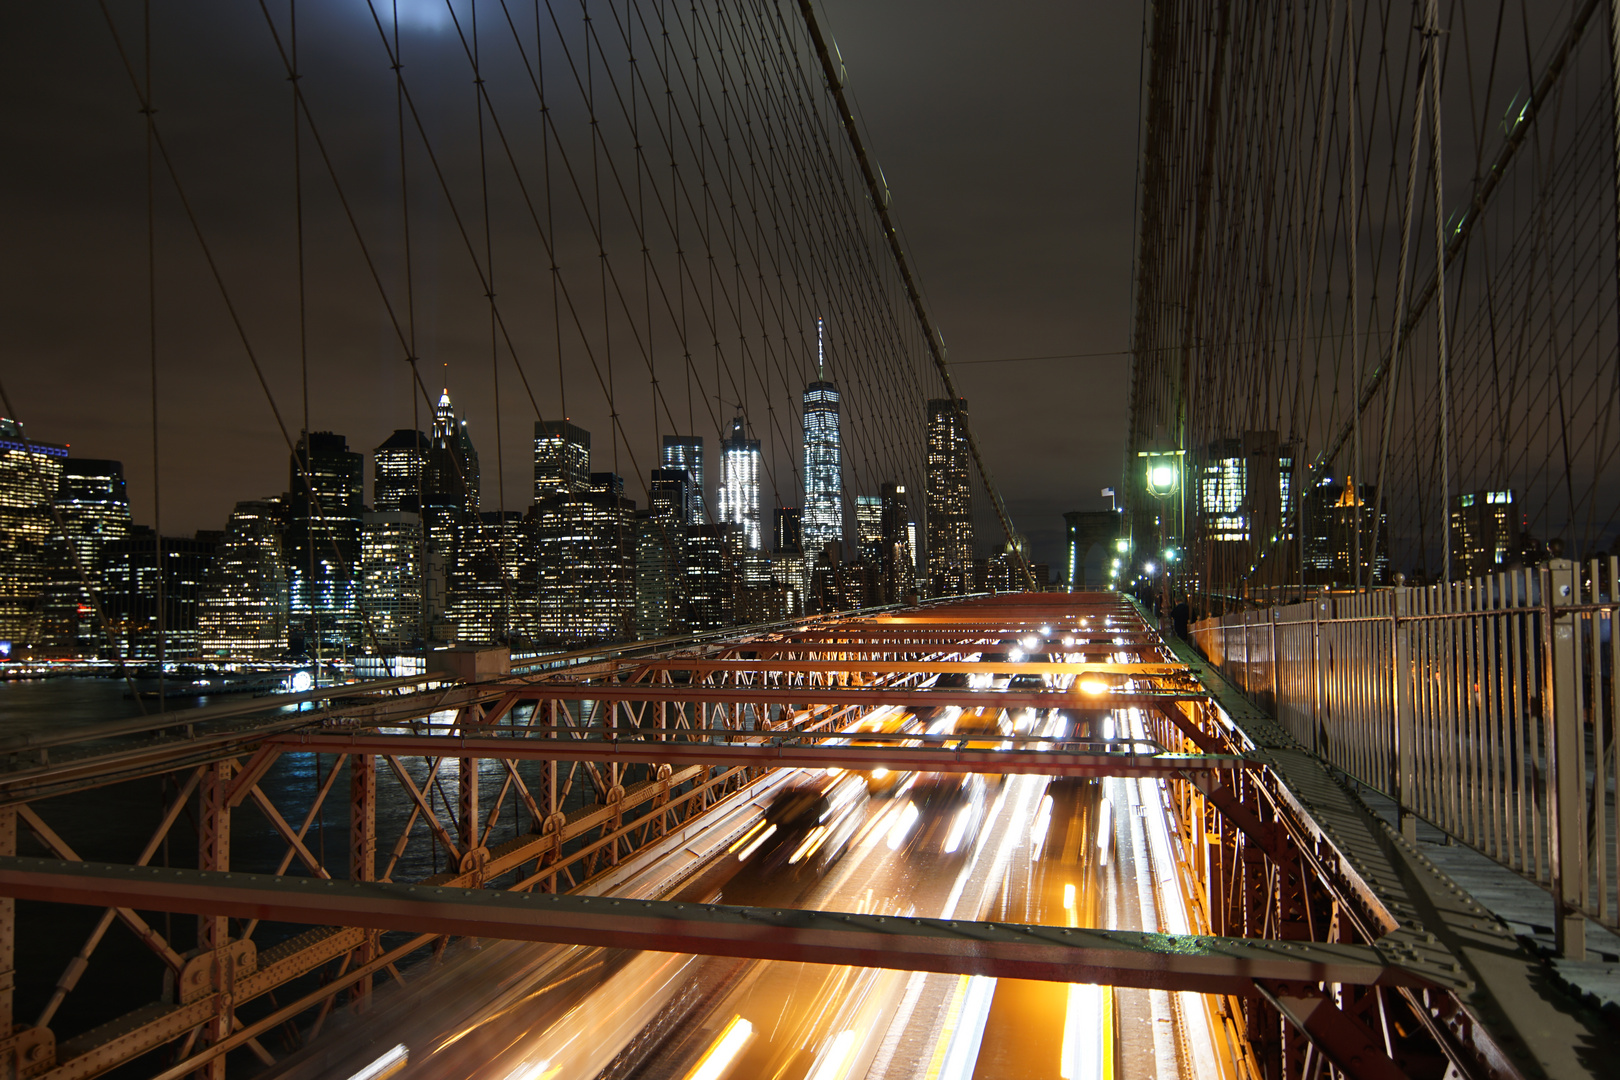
(1486, 707)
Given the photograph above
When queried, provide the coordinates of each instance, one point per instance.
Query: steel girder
(778, 752)
(1051, 953)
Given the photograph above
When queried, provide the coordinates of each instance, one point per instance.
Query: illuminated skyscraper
(949, 499)
(660, 531)
(585, 558)
(450, 481)
(397, 472)
(1485, 533)
(789, 530)
(93, 508)
(740, 468)
(391, 579)
(130, 593)
(823, 471)
(897, 559)
(322, 544)
(869, 527)
(30, 473)
(242, 610)
(562, 459)
(686, 452)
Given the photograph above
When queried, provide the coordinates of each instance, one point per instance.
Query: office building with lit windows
(30, 474)
(897, 562)
(948, 499)
(1244, 487)
(322, 545)
(585, 555)
(660, 532)
(707, 580)
(741, 468)
(1486, 533)
(562, 459)
(397, 470)
(130, 597)
(242, 610)
(869, 527)
(686, 452)
(487, 601)
(93, 508)
(391, 580)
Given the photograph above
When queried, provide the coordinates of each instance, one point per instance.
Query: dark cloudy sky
(1007, 133)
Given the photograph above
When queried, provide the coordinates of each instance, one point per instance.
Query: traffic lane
(1038, 1030)
(925, 850)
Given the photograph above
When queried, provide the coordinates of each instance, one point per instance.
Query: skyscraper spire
(821, 355)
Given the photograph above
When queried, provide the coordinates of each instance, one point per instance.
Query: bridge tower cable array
(1300, 168)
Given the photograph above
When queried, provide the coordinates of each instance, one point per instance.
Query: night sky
(1006, 132)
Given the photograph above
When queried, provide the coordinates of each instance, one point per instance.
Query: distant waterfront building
(397, 471)
(242, 609)
(92, 505)
(562, 459)
(130, 597)
(740, 469)
(948, 499)
(392, 580)
(686, 452)
(823, 459)
(30, 474)
(1485, 533)
(322, 545)
(869, 527)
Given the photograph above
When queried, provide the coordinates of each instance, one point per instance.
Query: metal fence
(1486, 707)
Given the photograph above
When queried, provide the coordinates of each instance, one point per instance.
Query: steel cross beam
(892, 667)
(775, 753)
(1049, 953)
(729, 694)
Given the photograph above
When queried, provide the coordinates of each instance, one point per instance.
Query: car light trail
(908, 816)
(964, 1028)
(719, 1057)
(835, 1058)
(387, 1065)
(1087, 1033)
(758, 840)
(1038, 831)
(1105, 829)
(959, 826)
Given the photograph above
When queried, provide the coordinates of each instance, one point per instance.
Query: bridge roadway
(1139, 876)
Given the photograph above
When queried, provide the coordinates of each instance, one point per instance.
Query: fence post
(1567, 844)
(1276, 664)
(1317, 694)
(1405, 716)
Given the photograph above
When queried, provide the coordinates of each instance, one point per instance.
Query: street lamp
(1161, 471)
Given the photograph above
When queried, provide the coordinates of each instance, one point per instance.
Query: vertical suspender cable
(151, 336)
(1432, 31)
